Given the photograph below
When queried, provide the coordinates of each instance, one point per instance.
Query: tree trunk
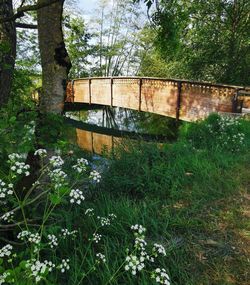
(54, 57)
(7, 50)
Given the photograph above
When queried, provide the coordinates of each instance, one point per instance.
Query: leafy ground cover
(182, 207)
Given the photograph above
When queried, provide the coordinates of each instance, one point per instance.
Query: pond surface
(106, 128)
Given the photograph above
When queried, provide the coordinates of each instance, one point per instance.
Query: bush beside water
(171, 214)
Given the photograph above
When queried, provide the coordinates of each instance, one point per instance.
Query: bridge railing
(181, 99)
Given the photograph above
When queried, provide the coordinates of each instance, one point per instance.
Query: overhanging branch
(24, 9)
(25, 26)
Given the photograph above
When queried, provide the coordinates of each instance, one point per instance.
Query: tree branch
(36, 7)
(23, 9)
(25, 26)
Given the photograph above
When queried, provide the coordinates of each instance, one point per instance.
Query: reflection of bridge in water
(178, 99)
(95, 139)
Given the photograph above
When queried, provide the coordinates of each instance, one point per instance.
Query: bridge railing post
(140, 91)
(111, 91)
(90, 90)
(178, 102)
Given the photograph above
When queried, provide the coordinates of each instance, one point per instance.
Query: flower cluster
(134, 264)
(6, 250)
(89, 212)
(96, 238)
(17, 165)
(64, 265)
(139, 258)
(53, 241)
(58, 177)
(32, 238)
(56, 161)
(38, 269)
(3, 277)
(140, 243)
(76, 196)
(5, 189)
(104, 221)
(66, 233)
(138, 229)
(29, 131)
(226, 132)
(7, 217)
(158, 248)
(160, 276)
(13, 157)
(81, 165)
(41, 152)
(95, 176)
(100, 258)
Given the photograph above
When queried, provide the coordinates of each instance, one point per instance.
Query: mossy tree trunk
(7, 50)
(54, 57)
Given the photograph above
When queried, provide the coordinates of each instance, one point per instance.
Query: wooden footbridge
(180, 99)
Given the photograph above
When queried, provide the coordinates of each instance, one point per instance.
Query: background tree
(77, 42)
(116, 26)
(202, 40)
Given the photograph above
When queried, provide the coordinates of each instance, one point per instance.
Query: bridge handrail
(201, 83)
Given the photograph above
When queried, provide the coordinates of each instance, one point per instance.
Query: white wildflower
(7, 217)
(81, 165)
(6, 250)
(66, 233)
(158, 248)
(104, 221)
(56, 161)
(3, 277)
(100, 257)
(41, 152)
(134, 264)
(95, 176)
(76, 196)
(64, 265)
(5, 189)
(138, 228)
(58, 177)
(160, 276)
(53, 241)
(96, 238)
(38, 269)
(89, 212)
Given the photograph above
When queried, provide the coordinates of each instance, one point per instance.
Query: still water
(106, 128)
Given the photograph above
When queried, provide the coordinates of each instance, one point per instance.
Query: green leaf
(55, 199)
(12, 119)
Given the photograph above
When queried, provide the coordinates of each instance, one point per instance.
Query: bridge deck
(179, 99)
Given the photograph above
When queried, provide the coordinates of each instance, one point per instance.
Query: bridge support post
(178, 104)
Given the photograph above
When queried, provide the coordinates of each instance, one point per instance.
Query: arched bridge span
(180, 99)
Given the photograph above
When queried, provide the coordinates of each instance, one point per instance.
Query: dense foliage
(201, 40)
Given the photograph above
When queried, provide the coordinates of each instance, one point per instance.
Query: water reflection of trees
(140, 122)
(130, 120)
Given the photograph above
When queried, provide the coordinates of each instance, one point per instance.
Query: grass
(191, 195)
(192, 200)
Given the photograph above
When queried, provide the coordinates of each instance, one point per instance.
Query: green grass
(192, 200)
(191, 195)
